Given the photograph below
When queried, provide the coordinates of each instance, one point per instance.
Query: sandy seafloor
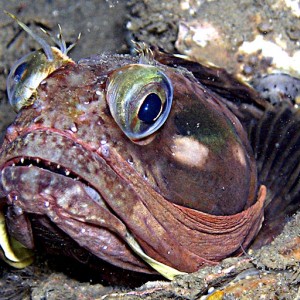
(108, 26)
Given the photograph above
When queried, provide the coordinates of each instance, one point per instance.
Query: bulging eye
(24, 78)
(140, 98)
(28, 72)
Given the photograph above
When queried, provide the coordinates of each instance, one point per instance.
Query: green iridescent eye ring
(140, 99)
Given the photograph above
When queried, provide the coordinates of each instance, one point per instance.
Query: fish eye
(24, 78)
(150, 108)
(139, 98)
(28, 72)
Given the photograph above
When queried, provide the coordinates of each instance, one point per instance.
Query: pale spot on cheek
(190, 152)
(239, 154)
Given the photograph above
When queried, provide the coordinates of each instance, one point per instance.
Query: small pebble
(265, 27)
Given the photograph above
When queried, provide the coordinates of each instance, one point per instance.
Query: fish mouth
(19, 164)
(42, 164)
(47, 151)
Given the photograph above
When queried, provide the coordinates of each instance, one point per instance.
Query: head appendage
(59, 40)
(74, 44)
(46, 47)
(144, 51)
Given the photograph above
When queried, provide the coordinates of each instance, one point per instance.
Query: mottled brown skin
(184, 211)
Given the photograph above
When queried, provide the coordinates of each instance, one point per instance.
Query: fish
(153, 163)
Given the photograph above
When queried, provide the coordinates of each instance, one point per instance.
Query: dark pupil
(20, 71)
(150, 108)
